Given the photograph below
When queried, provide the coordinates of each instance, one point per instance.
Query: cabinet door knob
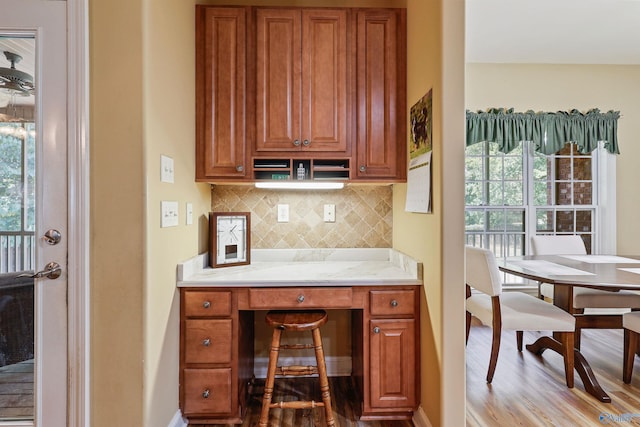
(296, 142)
(206, 304)
(300, 298)
(306, 143)
(239, 168)
(376, 330)
(206, 342)
(206, 394)
(363, 168)
(394, 303)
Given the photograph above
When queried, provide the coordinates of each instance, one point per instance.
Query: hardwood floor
(342, 400)
(529, 390)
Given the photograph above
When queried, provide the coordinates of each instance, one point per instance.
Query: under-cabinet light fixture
(300, 185)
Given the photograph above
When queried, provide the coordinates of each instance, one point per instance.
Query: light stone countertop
(306, 267)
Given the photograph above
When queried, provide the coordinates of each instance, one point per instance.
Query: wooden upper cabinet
(381, 144)
(221, 49)
(302, 76)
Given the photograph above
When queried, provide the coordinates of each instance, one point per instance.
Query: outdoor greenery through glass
(511, 197)
(17, 194)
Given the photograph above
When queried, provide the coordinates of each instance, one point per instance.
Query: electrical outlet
(329, 213)
(283, 213)
(166, 169)
(169, 214)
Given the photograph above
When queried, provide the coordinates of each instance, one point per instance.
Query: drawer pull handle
(306, 142)
(394, 303)
(376, 330)
(205, 394)
(206, 342)
(296, 142)
(206, 304)
(300, 298)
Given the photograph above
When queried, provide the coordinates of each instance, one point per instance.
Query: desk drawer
(299, 298)
(385, 303)
(207, 303)
(207, 391)
(207, 341)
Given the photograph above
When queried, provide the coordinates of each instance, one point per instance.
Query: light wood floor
(342, 401)
(529, 390)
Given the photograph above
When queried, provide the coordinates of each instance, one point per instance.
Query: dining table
(611, 273)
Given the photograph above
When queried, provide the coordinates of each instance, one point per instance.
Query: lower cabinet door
(393, 363)
(207, 391)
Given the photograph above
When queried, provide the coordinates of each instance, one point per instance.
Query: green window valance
(548, 131)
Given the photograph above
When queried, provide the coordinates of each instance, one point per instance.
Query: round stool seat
(301, 320)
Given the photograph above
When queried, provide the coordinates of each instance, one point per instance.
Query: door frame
(78, 268)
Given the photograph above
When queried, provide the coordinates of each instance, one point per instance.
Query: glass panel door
(17, 226)
(33, 213)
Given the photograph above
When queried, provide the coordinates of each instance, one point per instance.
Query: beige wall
(142, 106)
(419, 235)
(169, 111)
(117, 213)
(435, 60)
(564, 87)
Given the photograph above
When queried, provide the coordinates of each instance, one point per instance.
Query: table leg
(589, 380)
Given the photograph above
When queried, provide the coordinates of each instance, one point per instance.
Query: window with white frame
(511, 197)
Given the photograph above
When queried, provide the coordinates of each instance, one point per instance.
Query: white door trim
(78, 190)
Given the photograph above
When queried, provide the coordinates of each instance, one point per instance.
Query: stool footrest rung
(297, 404)
(296, 346)
(296, 370)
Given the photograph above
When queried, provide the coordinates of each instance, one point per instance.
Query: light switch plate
(283, 213)
(329, 213)
(189, 213)
(166, 169)
(169, 214)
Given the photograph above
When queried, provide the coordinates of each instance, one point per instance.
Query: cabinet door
(393, 363)
(278, 79)
(324, 80)
(301, 80)
(220, 92)
(381, 87)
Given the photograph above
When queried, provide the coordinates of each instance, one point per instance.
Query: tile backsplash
(363, 216)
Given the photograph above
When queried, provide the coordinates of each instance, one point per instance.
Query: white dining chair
(511, 310)
(631, 324)
(555, 245)
(583, 298)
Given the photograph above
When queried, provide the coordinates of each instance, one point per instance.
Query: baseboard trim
(339, 366)
(177, 420)
(420, 419)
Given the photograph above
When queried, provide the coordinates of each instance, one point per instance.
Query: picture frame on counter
(229, 239)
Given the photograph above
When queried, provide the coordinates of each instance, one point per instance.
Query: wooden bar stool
(296, 321)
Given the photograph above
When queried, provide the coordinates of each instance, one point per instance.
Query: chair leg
(568, 341)
(578, 334)
(468, 327)
(519, 340)
(495, 348)
(630, 346)
(322, 375)
(540, 290)
(271, 375)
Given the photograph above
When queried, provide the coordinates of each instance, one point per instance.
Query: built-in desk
(380, 287)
